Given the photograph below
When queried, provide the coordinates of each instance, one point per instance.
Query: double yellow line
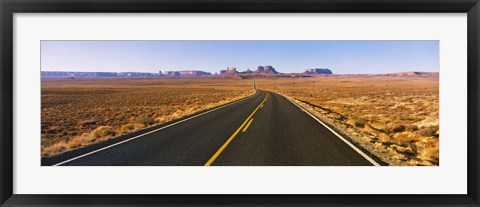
(219, 151)
(246, 127)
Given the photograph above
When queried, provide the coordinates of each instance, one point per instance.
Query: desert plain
(395, 118)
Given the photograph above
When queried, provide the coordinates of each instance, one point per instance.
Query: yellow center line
(219, 151)
(246, 127)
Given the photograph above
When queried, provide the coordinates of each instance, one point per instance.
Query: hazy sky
(342, 57)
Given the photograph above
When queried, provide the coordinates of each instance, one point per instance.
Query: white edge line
(338, 135)
(146, 133)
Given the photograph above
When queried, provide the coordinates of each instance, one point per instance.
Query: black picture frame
(10, 7)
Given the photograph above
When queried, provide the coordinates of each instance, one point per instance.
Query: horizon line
(410, 71)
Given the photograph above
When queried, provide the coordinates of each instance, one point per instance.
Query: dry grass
(77, 113)
(396, 118)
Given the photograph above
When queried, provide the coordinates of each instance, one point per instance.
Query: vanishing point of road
(264, 129)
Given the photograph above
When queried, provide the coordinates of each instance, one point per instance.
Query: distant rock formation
(183, 73)
(94, 74)
(73, 75)
(318, 71)
(268, 69)
(135, 74)
(414, 74)
(248, 71)
(229, 71)
(261, 70)
(170, 73)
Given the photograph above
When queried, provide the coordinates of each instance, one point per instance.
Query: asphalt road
(265, 129)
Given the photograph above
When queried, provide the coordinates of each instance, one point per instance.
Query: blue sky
(342, 57)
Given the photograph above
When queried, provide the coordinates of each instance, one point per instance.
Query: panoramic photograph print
(240, 103)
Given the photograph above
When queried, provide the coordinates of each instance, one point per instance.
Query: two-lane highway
(281, 134)
(265, 129)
